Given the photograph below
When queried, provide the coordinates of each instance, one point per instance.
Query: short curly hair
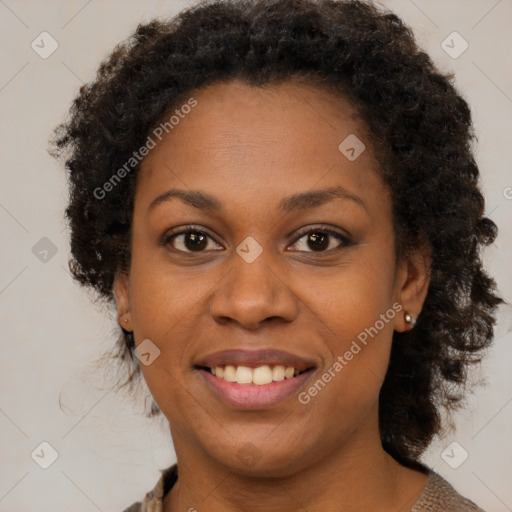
(420, 129)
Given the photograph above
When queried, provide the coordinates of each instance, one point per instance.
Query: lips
(259, 379)
(255, 359)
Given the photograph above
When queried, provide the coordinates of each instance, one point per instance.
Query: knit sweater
(437, 496)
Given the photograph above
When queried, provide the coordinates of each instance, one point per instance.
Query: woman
(281, 200)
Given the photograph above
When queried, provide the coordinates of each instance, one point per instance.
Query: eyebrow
(301, 201)
(195, 198)
(314, 198)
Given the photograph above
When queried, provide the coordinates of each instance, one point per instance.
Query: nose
(252, 294)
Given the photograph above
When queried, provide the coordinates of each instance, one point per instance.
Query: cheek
(351, 299)
(163, 296)
(169, 306)
(354, 310)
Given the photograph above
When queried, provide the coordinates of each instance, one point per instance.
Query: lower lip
(250, 397)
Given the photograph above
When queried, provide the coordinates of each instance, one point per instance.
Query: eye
(321, 239)
(191, 239)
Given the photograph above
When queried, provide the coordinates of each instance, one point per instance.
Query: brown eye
(195, 241)
(318, 241)
(321, 240)
(191, 241)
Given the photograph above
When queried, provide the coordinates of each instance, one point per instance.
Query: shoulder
(439, 496)
(153, 500)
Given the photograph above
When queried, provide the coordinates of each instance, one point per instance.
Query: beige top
(437, 496)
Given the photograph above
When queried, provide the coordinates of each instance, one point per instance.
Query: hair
(421, 133)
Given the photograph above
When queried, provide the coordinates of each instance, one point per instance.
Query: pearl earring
(410, 319)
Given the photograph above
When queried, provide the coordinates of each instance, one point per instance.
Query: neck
(359, 474)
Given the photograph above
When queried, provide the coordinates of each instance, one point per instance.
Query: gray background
(108, 454)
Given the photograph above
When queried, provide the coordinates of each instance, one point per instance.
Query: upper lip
(254, 358)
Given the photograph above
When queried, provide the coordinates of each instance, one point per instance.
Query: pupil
(318, 241)
(195, 241)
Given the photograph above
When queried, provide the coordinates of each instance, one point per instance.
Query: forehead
(262, 141)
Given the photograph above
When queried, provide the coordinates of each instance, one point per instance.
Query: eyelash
(344, 239)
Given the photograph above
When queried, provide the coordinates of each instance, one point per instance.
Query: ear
(122, 296)
(412, 280)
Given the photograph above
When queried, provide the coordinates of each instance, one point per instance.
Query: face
(253, 233)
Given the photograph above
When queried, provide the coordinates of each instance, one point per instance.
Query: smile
(255, 390)
(258, 376)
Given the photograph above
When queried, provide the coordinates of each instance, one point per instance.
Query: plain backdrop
(108, 454)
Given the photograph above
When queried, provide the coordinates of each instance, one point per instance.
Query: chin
(252, 459)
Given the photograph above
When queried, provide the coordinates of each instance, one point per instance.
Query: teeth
(243, 375)
(278, 373)
(288, 373)
(257, 376)
(230, 374)
(262, 375)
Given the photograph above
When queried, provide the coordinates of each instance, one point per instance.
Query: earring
(410, 319)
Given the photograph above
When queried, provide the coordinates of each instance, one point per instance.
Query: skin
(250, 147)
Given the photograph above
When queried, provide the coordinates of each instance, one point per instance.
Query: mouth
(254, 380)
(256, 367)
(257, 376)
